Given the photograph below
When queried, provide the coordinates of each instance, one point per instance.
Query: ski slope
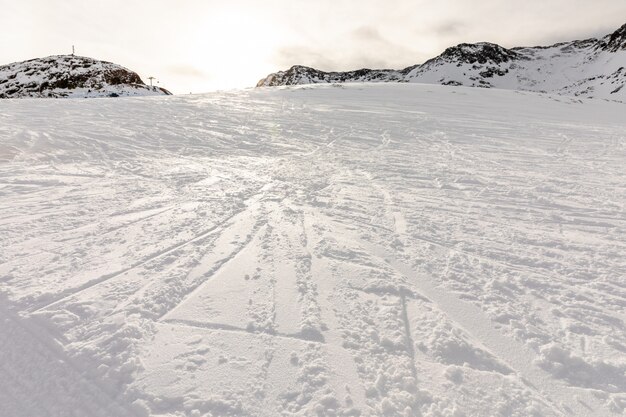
(336, 250)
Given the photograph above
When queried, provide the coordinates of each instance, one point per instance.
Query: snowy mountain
(71, 76)
(587, 68)
(379, 250)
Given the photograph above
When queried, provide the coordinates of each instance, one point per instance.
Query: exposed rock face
(299, 74)
(71, 76)
(587, 68)
(482, 53)
(615, 41)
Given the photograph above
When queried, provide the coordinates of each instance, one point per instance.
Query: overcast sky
(202, 45)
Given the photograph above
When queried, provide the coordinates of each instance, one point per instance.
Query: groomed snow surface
(355, 250)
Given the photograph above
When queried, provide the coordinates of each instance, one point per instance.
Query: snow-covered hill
(333, 250)
(71, 76)
(594, 68)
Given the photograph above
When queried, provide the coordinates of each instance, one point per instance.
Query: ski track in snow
(354, 250)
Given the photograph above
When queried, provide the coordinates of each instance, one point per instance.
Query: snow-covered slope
(331, 250)
(71, 76)
(594, 68)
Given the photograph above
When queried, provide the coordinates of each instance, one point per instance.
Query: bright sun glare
(234, 47)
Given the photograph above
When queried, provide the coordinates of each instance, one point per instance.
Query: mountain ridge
(591, 68)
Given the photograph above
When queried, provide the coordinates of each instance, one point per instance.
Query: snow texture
(71, 76)
(336, 250)
(592, 68)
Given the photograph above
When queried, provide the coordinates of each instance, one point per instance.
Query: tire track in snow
(209, 269)
(229, 328)
(474, 322)
(477, 324)
(467, 316)
(341, 359)
(60, 243)
(410, 342)
(104, 278)
(204, 270)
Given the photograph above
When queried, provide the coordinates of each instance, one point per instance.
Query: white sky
(202, 45)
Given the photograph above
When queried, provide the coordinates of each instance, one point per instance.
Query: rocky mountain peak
(299, 74)
(294, 75)
(481, 53)
(615, 41)
(71, 76)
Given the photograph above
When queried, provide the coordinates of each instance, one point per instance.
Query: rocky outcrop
(481, 53)
(299, 74)
(614, 42)
(71, 76)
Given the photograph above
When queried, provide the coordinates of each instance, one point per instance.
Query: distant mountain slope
(71, 76)
(587, 68)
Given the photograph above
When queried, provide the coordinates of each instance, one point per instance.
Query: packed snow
(337, 250)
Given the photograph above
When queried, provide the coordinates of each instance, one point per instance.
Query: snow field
(354, 250)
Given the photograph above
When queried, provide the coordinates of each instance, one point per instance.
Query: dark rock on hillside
(615, 41)
(299, 74)
(71, 76)
(481, 53)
